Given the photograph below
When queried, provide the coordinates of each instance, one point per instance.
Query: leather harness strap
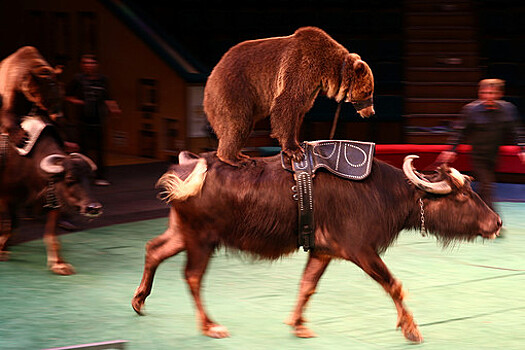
(4, 145)
(351, 160)
(303, 173)
(51, 197)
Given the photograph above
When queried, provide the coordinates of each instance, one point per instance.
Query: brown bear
(28, 85)
(281, 77)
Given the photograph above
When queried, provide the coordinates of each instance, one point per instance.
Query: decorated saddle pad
(348, 159)
(33, 126)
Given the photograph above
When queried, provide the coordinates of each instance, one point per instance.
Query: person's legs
(484, 173)
(99, 149)
(92, 145)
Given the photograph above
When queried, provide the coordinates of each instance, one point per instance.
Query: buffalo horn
(52, 164)
(87, 159)
(457, 177)
(441, 187)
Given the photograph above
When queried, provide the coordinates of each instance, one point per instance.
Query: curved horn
(52, 164)
(441, 187)
(86, 158)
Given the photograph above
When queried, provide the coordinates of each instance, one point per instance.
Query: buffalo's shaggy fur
(251, 209)
(280, 77)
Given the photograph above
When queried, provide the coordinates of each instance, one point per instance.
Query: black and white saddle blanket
(348, 159)
(34, 127)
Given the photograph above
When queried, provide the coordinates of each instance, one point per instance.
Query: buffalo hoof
(63, 269)
(290, 321)
(303, 332)
(137, 303)
(216, 331)
(4, 255)
(412, 333)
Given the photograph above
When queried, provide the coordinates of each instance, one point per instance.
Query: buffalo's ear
(59, 68)
(457, 178)
(435, 176)
(441, 173)
(452, 175)
(443, 168)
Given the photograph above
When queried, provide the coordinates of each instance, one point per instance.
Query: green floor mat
(469, 296)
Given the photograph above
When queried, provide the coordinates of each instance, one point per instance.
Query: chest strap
(4, 148)
(303, 173)
(51, 198)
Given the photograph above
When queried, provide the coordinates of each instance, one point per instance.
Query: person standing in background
(89, 91)
(486, 124)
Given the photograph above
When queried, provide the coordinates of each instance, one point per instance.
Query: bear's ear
(359, 67)
(353, 57)
(347, 75)
(349, 66)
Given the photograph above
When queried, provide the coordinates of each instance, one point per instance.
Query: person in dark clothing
(486, 124)
(89, 91)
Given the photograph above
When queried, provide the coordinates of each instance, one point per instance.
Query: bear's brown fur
(280, 77)
(27, 84)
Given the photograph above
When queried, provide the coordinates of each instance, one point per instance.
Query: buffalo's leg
(198, 258)
(6, 229)
(54, 260)
(5, 234)
(4, 237)
(371, 263)
(313, 271)
(158, 249)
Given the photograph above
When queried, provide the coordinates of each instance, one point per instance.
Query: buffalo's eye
(70, 180)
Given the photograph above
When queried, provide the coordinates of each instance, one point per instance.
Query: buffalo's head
(74, 173)
(449, 206)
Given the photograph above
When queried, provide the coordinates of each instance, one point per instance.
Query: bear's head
(358, 85)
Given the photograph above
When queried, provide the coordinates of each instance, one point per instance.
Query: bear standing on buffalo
(281, 77)
(29, 86)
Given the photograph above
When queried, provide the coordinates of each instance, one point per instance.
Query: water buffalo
(48, 176)
(251, 209)
(28, 85)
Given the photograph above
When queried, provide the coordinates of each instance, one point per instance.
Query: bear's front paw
(296, 153)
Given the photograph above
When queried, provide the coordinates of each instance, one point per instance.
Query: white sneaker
(102, 182)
